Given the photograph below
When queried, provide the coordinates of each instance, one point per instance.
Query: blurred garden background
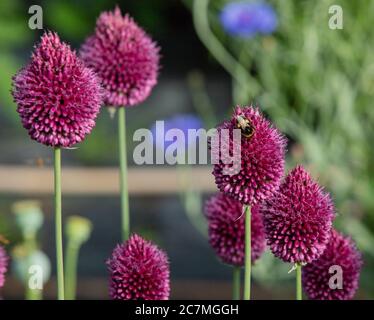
(314, 82)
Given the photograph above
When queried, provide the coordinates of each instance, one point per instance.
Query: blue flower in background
(182, 122)
(246, 19)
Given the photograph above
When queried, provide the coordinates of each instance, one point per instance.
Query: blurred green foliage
(14, 33)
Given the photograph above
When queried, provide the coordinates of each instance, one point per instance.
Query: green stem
(236, 283)
(248, 262)
(125, 212)
(72, 252)
(200, 13)
(299, 290)
(33, 294)
(31, 241)
(201, 22)
(58, 224)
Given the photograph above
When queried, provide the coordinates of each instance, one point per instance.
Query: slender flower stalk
(125, 211)
(236, 283)
(71, 263)
(248, 254)
(58, 225)
(299, 289)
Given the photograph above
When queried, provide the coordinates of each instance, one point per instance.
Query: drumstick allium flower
(226, 230)
(3, 265)
(341, 252)
(58, 100)
(127, 61)
(125, 58)
(298, 219)
(58, 97)
(139, 270)
(262, 159)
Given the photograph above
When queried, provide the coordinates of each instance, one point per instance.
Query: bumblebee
(245, 126)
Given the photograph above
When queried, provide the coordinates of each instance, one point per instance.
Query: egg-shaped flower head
(335, 274)
(298, 219)
(227, 229)
(139, 270)
(3, 265)
(125, 58)
(261, 152)
(58, 97)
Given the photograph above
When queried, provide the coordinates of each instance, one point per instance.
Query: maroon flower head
(227, 231)
(340, 252)
(58, 97)
(125, 58)
(298, 219)
(262, 157)
(139, 270)
(3, 265)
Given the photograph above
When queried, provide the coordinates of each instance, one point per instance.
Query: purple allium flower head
(139, 270)
(3, 265)
(58, 97)
(262, 159)
(246, 19)
(340, 252)
(298, 219)
(125, 58)
(227, 231)
(183, 122)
